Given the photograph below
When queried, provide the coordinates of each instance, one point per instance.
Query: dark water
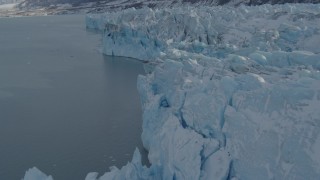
(64, 107)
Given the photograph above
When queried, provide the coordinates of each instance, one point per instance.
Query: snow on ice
(235, 93)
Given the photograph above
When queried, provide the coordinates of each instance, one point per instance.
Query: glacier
(233, 93)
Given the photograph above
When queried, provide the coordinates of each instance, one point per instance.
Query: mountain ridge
(159, 3)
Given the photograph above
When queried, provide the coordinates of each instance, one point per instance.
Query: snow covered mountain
(9, 1)
(203, 2)
(46, 7)
(161, 3)
(232, 93)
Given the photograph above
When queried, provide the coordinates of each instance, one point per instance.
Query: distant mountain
(260, 2)
(204, 2)
(9, 1)
(54, 2)
(114, 5)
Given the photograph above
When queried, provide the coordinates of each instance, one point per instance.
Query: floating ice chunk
(35, 174)
(133, 170)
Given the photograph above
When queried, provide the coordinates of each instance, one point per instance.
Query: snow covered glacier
(234, 92)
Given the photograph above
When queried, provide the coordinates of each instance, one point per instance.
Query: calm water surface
(64, 107)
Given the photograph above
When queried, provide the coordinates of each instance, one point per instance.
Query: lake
(64, 107)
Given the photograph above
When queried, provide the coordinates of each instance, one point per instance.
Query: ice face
(211, 31)
(235, 94)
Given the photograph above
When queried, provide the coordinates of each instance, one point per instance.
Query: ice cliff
(235, 93)
(209, 31)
